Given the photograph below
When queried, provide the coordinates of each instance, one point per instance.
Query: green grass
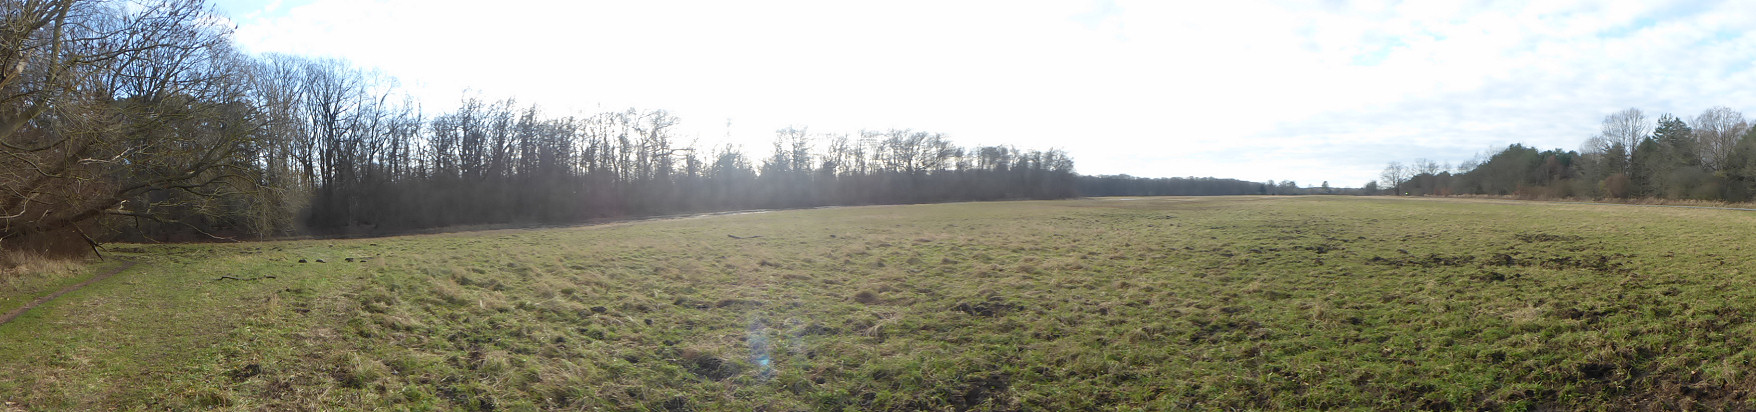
(26, 277)
(1148, 304)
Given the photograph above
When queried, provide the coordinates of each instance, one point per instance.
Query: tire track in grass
(45, 299)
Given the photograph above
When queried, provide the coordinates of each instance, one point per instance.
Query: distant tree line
(386, 169)
(137, 119)
(1712, 157)
(1125, 185)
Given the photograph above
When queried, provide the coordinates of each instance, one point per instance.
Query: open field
(1140, 304)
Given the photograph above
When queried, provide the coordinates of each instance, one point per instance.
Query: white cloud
(1254, 90)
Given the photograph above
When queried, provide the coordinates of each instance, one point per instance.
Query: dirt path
(33, 304)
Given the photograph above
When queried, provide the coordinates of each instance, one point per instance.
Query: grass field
(1131, 304)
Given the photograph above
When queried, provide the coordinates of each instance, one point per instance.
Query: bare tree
(1717, 131)
(792, 147)
(103, 104)
(1426, 167)
(277, 86)
(1393, 176)
(1626, 127)
(838, 158)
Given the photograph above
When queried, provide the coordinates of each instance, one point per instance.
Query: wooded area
(1632, 157)
(138, 120)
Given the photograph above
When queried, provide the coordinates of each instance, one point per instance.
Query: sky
(1312, 92)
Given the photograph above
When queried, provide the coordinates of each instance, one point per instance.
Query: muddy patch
(978, 390)
(1433, 260)
(990, 308)
(710, 367)
(1539, 237)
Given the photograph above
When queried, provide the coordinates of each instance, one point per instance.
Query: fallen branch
(743, 237)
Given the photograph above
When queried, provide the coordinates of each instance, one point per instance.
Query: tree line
(1125, 185)
(1709, 157)
(369, 163)
(139, 120)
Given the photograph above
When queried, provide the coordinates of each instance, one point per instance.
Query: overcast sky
(1311, 92)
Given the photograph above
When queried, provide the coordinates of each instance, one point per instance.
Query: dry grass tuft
(17, 267)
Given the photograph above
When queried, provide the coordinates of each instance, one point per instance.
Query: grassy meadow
(1108, 304)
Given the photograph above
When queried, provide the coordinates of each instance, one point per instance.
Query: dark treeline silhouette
(1714, 159)
(138, 120)
(1125, 185)
(494, 163)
